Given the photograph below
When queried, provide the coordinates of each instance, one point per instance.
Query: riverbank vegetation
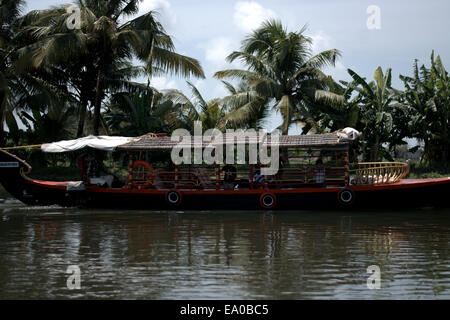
(58, 82)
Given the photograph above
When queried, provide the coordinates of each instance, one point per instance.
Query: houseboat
(314, 172)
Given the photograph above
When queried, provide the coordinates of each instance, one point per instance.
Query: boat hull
(405, 194)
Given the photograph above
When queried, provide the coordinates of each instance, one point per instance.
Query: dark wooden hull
(27, 190)
(404, 194)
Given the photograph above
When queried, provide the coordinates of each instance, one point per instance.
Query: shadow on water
(223, 255)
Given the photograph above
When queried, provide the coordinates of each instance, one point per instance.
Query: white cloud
(163, 7)
(201, 85)
(340, 66)
(162, 83)
(219, 91)
(338, 72)
(320, 42)
(248, 15)
(217, 49)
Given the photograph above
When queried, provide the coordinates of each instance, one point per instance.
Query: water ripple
(222, 255)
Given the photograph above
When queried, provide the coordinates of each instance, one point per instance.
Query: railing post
(251, 176)
(130, 172)
(347, 168)
(265, 179)
(217, 176)
(176, 176)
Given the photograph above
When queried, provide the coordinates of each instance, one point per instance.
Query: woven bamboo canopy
(163, 142)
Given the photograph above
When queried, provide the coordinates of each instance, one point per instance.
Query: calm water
(223, 255)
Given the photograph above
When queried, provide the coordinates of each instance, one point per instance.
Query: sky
(390, 34)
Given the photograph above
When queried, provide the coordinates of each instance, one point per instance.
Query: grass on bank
(421, 171)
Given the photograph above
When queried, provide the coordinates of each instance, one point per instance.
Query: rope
(22, 147)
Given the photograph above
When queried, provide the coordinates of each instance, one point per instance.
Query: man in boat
(229, 177)
(97, 174)
(319, 173)
(259, 178)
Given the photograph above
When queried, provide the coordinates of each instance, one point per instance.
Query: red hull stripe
(49, 184)
(403, 184)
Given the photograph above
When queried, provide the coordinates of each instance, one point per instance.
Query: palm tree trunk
(375, 148)
(82, 117)
(2, 130)
(98, 101)
(2, 135)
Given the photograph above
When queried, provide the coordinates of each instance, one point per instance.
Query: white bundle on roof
(348, 134)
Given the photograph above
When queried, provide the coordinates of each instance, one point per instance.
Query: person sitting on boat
(229, 177)
(259, 178)
(97, 173)
(319, 173)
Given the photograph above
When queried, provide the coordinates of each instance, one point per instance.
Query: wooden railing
(369, 173)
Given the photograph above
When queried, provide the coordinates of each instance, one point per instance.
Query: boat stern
(12, 171)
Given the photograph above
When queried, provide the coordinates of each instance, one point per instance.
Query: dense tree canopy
(62, 78)
(102, 49)
(425, 106)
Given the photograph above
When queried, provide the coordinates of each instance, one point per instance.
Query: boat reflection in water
(223, 255)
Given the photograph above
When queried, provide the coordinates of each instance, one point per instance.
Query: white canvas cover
(105, 143)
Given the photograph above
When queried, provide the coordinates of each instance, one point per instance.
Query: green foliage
(376, 112)
(137, 114)
(188, 110)
(13, 88)
(101, 50)
(245, 108)
(281, 69)
(53, 124)
(421, 170)
(425, 104)
(59, 83)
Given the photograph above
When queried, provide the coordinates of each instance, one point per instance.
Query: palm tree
(138, 113)
(425, 104)
(53, 125)
(281, 67)
(20, 87)
(105, 43)
(376, 110)
(332, 117)
(189, 110)
(9, 81)
(246, 108)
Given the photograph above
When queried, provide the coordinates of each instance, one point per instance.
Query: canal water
(56, 253)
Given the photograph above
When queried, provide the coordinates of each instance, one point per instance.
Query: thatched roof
(162, 142)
